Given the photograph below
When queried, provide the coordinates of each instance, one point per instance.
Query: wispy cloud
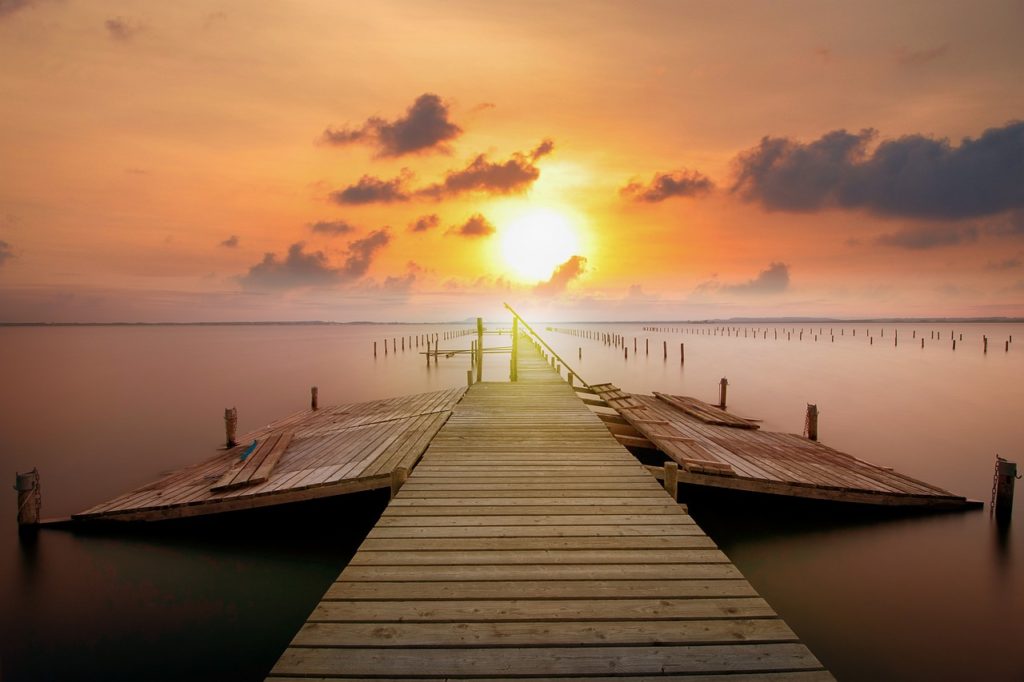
(331, 227)
(231, 242)
(424, 127)
(476, 226)
(563, 275)
(122, 29)
(424, 223)
(680, 183)
(928, 237)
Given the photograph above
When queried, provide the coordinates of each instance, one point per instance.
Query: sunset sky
(419, 161)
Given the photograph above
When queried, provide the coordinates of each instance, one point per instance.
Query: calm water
(102, 409)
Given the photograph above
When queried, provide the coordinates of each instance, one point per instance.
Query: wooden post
(479, 349)
(30, 499)
(812, 421)
(682, 353)
(1006, 474)
(469, 377)
(672, 479)
(398, 478)
(428, 352)
(571, 377)
(514, 369)
(664, 349)
(723, 387)
(581, 352)
(314, 395)
(230, 425)
(374, 349)
(984, 340)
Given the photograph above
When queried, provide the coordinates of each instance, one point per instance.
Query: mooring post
(682, 353)
(1006, 474)
(514, 369)
(984, 340)
(571, 377)
(469, 377)
(672, 479)
(479, 349)
(723, 386)
(30, 499)
(230, 425)
(314, 398)
(811, 423)
(664, 349)
(398, 478)
(374, 349)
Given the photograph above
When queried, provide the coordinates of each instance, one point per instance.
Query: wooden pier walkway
(528, 543)
(311, 454)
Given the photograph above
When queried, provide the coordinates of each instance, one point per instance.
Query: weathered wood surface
(529, 543)
(730, 453)
(308, 455)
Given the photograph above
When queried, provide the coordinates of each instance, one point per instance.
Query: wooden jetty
(715, 448)
(528, 543)
(311, 454)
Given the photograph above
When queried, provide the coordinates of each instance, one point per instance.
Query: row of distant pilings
(416, 340)
(621, 341)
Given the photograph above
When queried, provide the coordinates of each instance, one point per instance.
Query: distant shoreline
(733, 320)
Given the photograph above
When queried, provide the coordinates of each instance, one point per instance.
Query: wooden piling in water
(1006, 474)
(479, 349)
(682, 353)
(514, 362)
(230, 426)
(723, 387)
(469, 377)
(811, 427)
(30, 498)
(314, 395)
(374, 349)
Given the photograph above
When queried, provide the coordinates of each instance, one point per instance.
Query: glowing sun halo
(536, 242)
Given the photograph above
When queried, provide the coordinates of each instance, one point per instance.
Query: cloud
(773, 280)
(122, 29)
(231, 242)
(929, 237)
(916, 57)
(8, 7)
(911, 176)
(562, 276)
(5, 252)
(424, 223)
(331, 227)
(681, 183)
(1005, 264)
(476, 226)
(299, 269)
(370, 190)
(481, 175)
(424, 127)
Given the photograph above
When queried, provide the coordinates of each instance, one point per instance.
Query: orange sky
(642, 160)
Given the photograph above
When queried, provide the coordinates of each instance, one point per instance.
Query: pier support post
(398, 478)
(811, 423)
(723, 387)
(672, 479)
(230, 426)
(469, 377)
(479, 349)
(1006, 474)
(682, 353)
(30, 499)
(571, 377)
(314, 398)
(514, 369)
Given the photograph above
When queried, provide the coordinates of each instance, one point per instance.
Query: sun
(536, 242)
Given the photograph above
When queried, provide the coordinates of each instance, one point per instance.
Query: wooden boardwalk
(715, 448)
(318, 453)
(529, 544)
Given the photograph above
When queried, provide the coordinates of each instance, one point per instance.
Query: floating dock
(718, 449)
(529, 543)
(309, 455)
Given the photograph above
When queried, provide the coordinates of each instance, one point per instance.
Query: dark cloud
(424, 223)
(361, 253)
(11, 6)
(912, 176)
(231, 242)
(331, 227)
(481, 175)
(774, 280)
(425, 126)
(476, 226)
(562, 276)
(300, 269)
(122, 29)
(5, 252)
(915, 57)
(371, 190)
(1005, 264)
(929, 237)
(681, 183)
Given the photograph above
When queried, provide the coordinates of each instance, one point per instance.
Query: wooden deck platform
(529, 544)
(311, 454)
(714, 448)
